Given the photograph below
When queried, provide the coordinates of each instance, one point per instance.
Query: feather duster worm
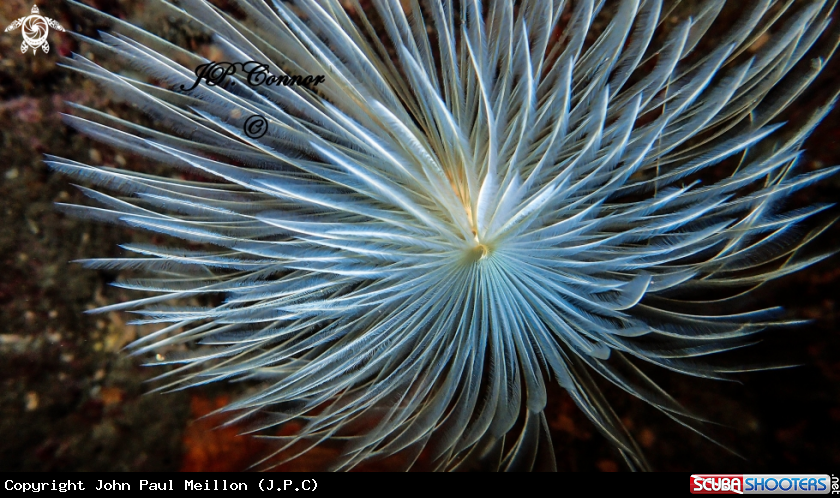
(478, 199)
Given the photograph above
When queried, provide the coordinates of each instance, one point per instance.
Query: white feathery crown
(481, 198)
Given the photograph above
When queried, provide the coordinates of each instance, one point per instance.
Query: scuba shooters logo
(736, 484)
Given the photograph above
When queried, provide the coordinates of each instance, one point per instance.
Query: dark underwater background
(70, 399)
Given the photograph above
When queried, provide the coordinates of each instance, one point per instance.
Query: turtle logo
(35, 30)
